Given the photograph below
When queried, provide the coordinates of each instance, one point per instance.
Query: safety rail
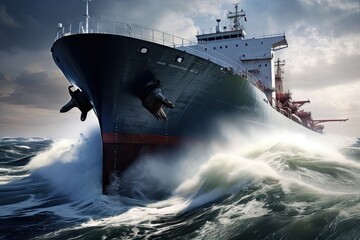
(159, 37)
(213, 30)
(124, 29)
(279, 34)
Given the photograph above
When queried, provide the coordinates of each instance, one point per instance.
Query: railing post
(129, 29)
(81, 27)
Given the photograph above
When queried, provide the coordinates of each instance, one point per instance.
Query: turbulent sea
(272, 186)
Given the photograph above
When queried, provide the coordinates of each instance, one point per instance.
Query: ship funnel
(79, 100)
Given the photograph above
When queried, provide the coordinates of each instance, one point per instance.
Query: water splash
(73, 167)
(278, 182)
(248, 186)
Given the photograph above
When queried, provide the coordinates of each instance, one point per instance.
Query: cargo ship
(152, 91)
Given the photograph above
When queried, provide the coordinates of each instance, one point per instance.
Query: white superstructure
(255, 54)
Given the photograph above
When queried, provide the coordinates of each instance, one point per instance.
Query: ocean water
(258, 186)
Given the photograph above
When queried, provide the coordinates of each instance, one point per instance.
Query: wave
(233, 164)
(73, 167)
(285, 185)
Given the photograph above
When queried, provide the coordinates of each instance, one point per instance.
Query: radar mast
(235, 17)
(278, 75)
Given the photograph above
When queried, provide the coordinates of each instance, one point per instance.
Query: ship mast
(278, 75)
(236, 16)
(86, 15)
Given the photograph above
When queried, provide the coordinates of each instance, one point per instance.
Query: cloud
(340, 99)
(333, 18)
(7, 85)
(37, 90)
(348, 5)
(331, 102)
(174, 17)
(323, 53)
(323, 44)
(317, 68)
(6, 19)
(26, 121)
(31, 25)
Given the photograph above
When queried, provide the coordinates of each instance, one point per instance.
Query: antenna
(218, 25)
(236, 16)
(86, 15)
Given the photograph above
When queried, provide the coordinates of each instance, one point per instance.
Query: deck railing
(213, 30)
(124, 29)
(159, 37)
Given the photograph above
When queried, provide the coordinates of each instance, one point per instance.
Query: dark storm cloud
(6, 19)
(37, 90)
(32, 24)
(140, 9)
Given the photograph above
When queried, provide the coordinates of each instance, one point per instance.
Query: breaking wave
(273, 186)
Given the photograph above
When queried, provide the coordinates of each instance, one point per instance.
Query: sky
(322, 60)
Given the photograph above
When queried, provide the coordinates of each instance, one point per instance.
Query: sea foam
(73, 167)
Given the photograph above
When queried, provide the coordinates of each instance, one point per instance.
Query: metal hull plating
(111, 71)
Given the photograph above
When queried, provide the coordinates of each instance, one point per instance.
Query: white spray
(73, 167)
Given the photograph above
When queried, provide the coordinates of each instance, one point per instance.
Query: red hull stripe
(140, 139)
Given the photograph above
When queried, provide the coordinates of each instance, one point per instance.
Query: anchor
(152, 98)
(79, 100)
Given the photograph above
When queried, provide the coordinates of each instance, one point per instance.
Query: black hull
(113, 73)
